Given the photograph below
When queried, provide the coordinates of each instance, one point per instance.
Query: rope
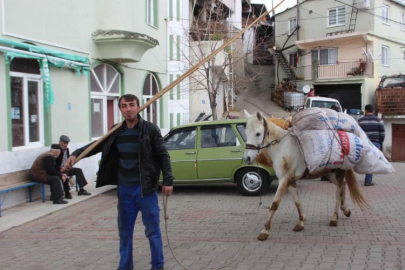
(166, 217)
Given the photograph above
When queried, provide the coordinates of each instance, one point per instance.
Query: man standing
(374, 128)
(43, 170)
(61, 166)
(132, 158)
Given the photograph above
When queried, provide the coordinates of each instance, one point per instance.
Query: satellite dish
(306, 89)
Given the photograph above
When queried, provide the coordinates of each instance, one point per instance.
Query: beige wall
(396, 53)
(391, 30)
(75, 122)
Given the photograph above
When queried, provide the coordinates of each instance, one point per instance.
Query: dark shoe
(83, 192)
(369, 184)
(157, 268)
(68, 195)
(60, 201)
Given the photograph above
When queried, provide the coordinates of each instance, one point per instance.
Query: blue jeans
(369, 177)
(130, 202)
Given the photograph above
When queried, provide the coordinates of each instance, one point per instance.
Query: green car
(211, 152)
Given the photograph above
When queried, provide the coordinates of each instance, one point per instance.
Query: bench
(18, 180)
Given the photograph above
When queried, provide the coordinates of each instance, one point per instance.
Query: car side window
(181, 139)
(308, 104)
(218, 136)
(242, 132)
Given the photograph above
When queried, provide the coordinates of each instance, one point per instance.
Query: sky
(282, 7)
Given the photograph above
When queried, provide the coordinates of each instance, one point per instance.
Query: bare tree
(225, 73)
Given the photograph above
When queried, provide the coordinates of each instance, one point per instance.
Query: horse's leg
(343, 205)
(281, 190)
(292, 188)
(337, 178)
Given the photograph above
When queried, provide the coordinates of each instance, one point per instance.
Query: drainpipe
(298, 19)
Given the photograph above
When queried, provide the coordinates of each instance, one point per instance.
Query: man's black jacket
(153, 158)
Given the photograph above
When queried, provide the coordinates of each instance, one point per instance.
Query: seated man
(43, 171)
(60, 166)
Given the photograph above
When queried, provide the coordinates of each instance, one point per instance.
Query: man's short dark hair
(128, 97)
(369, 108)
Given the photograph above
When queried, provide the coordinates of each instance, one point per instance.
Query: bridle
(262, 145)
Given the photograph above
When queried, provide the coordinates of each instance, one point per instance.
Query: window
(292, 61)
(385, 53)
(325, 56)
(105, 91)
(150, 88)
(181, 139)
(385, 14)
(402, 20)
(292, 24)
(337, 16)
(26, 103)
(219, 136)
(152, 12)
(242, 131)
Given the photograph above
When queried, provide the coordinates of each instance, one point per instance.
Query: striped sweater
(373, 127)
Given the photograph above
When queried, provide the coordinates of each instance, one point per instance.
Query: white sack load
(326, 149)
(374, 162)
(324, 119)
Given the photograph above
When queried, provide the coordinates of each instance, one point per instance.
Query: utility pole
(298, 19)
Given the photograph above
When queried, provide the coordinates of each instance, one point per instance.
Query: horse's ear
(259, 116)
(247, 115)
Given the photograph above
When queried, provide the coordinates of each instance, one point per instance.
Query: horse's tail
(355, 192)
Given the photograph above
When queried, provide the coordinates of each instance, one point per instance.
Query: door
(98, 123)
(220, 152)
(181, 145)
(398, 142)
(110, 113)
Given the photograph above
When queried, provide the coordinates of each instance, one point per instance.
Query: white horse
(266, 138)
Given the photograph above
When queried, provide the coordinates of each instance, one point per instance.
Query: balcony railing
(339, 70)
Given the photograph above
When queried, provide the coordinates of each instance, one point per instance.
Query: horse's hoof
(298, 228)
(347, 213)
(333, 223)
(262, 237)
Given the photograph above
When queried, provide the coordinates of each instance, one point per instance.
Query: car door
(220, 151)
(181, 145)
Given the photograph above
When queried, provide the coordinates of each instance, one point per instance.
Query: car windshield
(323, 104)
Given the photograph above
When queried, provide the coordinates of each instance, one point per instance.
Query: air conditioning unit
(363, 4)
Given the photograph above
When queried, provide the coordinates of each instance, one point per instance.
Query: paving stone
(209, 226)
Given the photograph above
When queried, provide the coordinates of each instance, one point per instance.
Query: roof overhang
(328, 40)
(123, 46)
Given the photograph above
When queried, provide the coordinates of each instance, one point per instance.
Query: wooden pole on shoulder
(178, 80)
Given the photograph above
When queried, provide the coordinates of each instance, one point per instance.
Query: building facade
(177, 64)
(340, 49)
(64, 68)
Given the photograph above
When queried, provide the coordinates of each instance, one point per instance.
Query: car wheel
(252, 182)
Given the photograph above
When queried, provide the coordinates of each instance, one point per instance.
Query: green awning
(46, 58)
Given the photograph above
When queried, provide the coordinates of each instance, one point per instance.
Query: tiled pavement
(209, 226)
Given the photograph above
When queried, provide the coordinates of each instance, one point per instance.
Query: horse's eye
(258, 134)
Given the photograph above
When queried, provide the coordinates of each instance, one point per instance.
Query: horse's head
(257, 128)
